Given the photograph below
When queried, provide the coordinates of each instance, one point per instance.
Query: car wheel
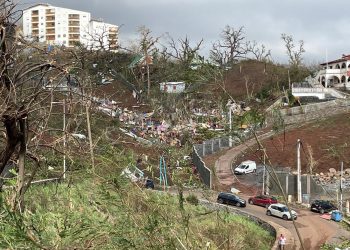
(221, 201)
(238, 204)
(285, 217)
(268, 212)
(321, 211)
(251, 202)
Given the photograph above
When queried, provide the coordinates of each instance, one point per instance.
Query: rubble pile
(332, 177)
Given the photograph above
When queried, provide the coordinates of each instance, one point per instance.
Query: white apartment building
(61, 26)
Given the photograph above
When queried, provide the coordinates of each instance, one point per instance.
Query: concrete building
(61, 26)
(335, 73)
(172, 87)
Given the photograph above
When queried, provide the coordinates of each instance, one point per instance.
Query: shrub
(192, 199)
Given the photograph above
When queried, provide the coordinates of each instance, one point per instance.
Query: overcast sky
(322, 24)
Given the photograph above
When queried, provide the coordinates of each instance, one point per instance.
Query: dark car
(322, 206)
(231, 199)
(262, 200)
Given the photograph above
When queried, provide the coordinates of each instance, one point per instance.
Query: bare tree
(260, 52)
(294, 52)
(231, 48)
(24, 69)
(182, 50)
(147, 46)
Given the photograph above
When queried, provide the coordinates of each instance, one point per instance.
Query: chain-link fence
(311, 190)
(212, 146)
(204, 172)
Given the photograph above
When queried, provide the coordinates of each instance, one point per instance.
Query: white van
(246, 167)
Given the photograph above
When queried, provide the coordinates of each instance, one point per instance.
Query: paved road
(314, 230)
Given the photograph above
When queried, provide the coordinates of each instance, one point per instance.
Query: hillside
(325, 143)
(254, 76)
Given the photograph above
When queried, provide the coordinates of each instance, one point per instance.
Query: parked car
(322, 206)
(281, 210)
(231, 199)
(246, 167)
(262, 200)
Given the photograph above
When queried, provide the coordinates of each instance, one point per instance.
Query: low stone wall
(308, 112)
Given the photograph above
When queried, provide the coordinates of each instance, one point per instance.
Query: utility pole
(299, 171)
(230, 121)
(341, 187)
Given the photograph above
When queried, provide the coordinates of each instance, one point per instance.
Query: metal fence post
(212, 146)
(203, 144)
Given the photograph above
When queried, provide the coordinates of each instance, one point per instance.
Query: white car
(246, 167)
(281, 210)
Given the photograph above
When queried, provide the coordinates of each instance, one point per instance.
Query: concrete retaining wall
(271, 227)
(309, 112)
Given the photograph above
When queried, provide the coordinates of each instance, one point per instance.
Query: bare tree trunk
(87, 108)
(148, 80)
(246, 86)
(18, 198)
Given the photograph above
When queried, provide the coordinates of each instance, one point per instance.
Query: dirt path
(314, 230)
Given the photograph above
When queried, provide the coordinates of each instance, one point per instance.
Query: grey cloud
(321, 24)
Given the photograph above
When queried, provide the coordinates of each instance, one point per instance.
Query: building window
(331, 67)
(174, 87)
(58, 36)
(64, 35)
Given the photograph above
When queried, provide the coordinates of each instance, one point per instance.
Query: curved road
(314, 230)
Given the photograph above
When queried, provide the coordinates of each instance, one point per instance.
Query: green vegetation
(115, 214)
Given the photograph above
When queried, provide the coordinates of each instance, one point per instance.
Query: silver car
(281, 210)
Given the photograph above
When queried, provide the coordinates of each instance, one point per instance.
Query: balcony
(73, 16)
(332, 71)
(50, 18)
(50, 37)
(50, 12)
(35, 26)
(113, 30)
(35, 12)
(50, 25)
(35, 19)
(75, 30)
(50, 31)
(74, 23)
(73, 37)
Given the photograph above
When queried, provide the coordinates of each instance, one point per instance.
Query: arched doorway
(332, 81)
(323, 81)
(343, 79)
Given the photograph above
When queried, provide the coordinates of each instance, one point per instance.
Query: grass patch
(114, 214)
